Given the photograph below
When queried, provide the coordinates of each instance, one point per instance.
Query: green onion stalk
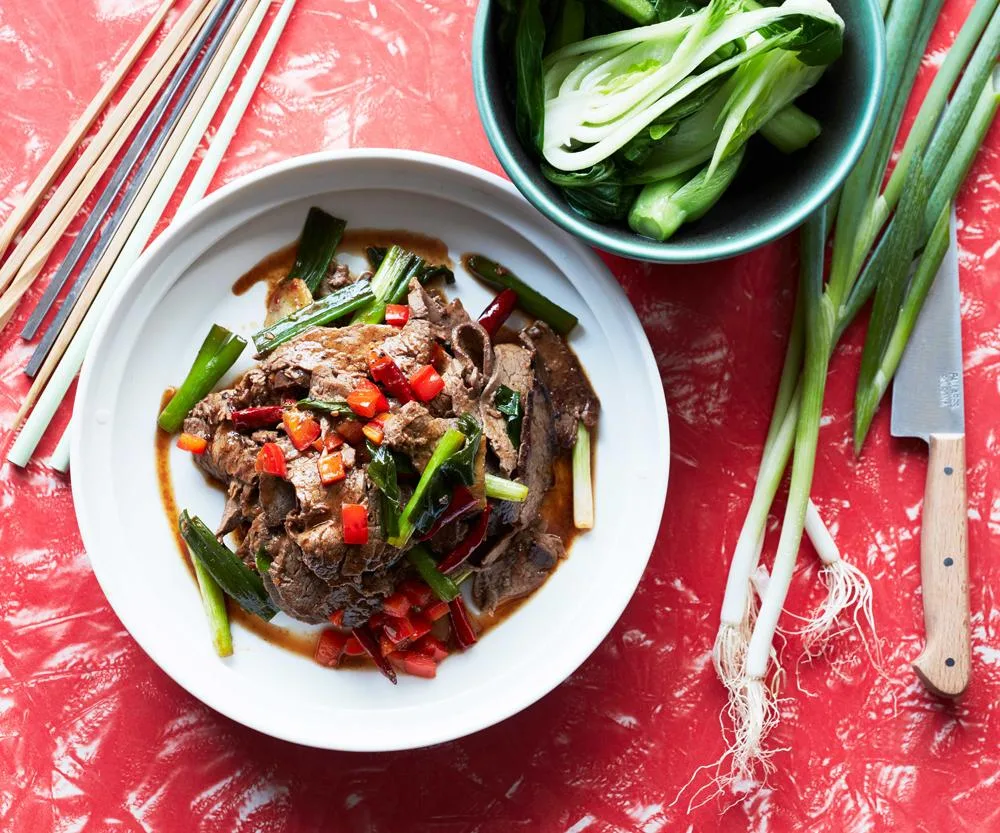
(916, 205)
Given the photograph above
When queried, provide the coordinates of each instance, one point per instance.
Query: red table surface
(94, 737)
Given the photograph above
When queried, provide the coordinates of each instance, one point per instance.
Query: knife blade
(928, 403)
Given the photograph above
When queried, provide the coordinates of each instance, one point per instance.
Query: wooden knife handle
(944, 665)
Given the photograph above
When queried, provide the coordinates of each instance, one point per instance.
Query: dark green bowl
(773, 192)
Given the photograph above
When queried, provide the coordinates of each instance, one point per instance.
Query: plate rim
(184, 224)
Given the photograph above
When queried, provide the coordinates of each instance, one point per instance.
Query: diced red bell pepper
(370, 643)
(462, 502)
(426, 383)
(387, 373)
(431, 646)
(350, 430)
(498, 311)
(396, 315)
(421, 625)
(331, 468)
(468, 545)
(416, 591)
(414, 664)
(375, 429)
(355, 519)
(252, 418)
(192, 443)
(376, 620)
(353, 647)
(337, 618)
(330, 647)
(464, 632)
(271, 460)
(397, 604)
(399, 629)
(435, 610)
(366, 400)
(302, 430)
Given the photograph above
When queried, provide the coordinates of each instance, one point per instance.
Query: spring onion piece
(329, 406)
(335, 305)
(444, 588)
(583, 481)
(531, 301)
(214, 603)
(219, 351)
(450, 443)
(391, 278)
(500, 488)
(790, 129)
(663, 207)
(225, 567)
(318, 242)
(262, 562)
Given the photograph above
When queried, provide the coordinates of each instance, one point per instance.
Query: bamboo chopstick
(30, 254)
(68, 146)
(65, 370)
(134, 196)
(227, 129)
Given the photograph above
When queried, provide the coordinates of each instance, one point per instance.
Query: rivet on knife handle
(944, 665)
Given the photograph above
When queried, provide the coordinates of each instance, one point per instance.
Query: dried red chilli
(498, 311)
(464, 632)
(476, 535)
(263, 417)
(371, 645)
(462, 503)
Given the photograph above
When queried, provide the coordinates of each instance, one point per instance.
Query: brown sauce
(431, 249)
(166, 483)
(272, 270)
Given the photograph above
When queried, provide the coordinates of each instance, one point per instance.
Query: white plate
(147, 342)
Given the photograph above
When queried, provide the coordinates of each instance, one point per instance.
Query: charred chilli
(387, 458)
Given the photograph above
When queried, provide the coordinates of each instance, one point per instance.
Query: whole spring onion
(335, 305)
(944, 139)
(224, 566)
(321, 234)
(530, 300)
(219, 352)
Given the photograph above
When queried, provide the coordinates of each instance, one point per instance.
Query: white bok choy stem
(602, 91)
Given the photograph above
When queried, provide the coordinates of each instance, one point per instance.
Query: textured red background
(94, 737)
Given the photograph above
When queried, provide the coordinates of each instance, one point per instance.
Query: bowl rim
(84, 453)
(640, 248)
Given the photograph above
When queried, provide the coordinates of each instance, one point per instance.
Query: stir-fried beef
(337, 276)
(573, 399)
(296, 521)
(428, 306)
(511, 368)
(414, 431)
(516, 566)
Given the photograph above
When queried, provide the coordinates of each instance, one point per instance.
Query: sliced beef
(337, 277)
(428, 306)
(515, 567)
(471, 345)
(410, 348)
(241, 507)
(413, 431)
(537, 453)
(314, 500)
(573, 398)
(344, 349)
(229, 455)
(511, 368)
(289, 582)
(277, 499)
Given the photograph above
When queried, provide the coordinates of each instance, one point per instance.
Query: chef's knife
(928, 402)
